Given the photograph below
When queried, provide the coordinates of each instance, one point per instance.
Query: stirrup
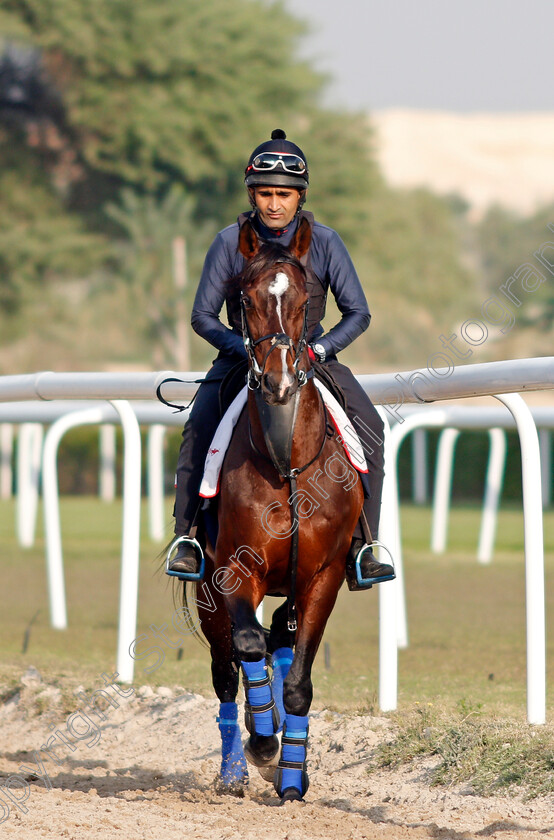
(367, 583)
(192, 576)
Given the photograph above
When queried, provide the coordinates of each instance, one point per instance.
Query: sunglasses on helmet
(271, 160)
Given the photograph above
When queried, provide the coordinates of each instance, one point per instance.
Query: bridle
(280, 341)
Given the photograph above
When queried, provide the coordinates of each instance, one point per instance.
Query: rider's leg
(197, 436)
(369, 427)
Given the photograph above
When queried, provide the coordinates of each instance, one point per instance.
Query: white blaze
(278, 287)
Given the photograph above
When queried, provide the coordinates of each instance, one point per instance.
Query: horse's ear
(301, 239)
(249, 244)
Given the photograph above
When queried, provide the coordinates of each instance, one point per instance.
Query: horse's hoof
(268, 772)
(266, 767)
(291, 794)
(233, 788)
(261, 749)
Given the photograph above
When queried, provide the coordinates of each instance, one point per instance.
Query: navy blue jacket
(329, 260)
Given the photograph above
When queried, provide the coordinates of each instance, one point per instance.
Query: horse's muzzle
(277, 389)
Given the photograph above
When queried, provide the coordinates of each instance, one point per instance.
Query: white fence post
(493, 488)
(106, 476)
(29, 444)
(546, 466)
(431, 419)
(388, 592)
(534, 556)
(6, 450)
(419, 466)
(155, 473)
(130, 540)
(52, 525)
(443, 489)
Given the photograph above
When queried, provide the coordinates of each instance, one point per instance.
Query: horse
(285, 524)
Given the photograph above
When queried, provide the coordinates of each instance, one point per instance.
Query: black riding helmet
(277, 163)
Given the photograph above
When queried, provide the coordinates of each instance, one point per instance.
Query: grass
(494, 756)
(466, 621)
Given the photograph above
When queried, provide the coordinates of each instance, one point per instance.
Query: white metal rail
(390, 390)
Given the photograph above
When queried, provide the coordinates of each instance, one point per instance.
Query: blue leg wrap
(281, 662)
(261, 714)
(291, 770)
(233, 762)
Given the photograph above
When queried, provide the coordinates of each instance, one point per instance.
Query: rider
(276, 178)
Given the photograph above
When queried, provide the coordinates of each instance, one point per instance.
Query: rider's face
(276, 205)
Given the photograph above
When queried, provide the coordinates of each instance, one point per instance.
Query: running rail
(391, 391)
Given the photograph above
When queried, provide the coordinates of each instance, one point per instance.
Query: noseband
(280, 341)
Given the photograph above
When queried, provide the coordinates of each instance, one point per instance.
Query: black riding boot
(185, 560)
(188, 561)
(363, 569)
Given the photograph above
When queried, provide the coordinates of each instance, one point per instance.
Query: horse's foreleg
(233, 775)
(261, 715)
(280, 643)
(314, 608)
(291, 779)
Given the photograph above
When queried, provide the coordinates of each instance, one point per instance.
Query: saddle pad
(218, 447)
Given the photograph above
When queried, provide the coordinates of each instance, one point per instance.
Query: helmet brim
(275, 179)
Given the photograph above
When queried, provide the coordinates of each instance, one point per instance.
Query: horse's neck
(310, 425)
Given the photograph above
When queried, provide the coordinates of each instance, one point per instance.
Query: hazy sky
(469, 55)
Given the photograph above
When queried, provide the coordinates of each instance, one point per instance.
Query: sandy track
(150, 775)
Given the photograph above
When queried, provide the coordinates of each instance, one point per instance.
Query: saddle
(233, 382)
(323, 375)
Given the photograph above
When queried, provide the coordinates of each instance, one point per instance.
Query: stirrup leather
(199, 554)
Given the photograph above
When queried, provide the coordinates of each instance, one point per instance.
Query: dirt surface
(148, 772)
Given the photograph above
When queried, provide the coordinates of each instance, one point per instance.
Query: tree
(176, 89)
(415, 282)
(108, 97)
(39, 239)
(146, 255)
(505, 240)
(145, 94)
(126, 102)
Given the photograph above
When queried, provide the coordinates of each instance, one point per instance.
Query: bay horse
(285, 528)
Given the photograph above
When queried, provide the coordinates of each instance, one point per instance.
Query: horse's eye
(246, 300)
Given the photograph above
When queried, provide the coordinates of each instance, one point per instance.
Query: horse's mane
(269, 254)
